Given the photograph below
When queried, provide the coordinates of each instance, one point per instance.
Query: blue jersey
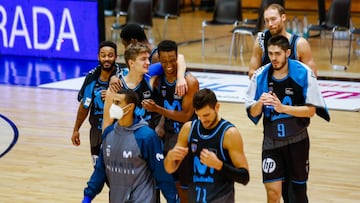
(131, 159)
(208, 184)
(90, 95)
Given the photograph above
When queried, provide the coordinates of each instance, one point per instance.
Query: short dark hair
(130, 96)
(203, 98)
(167, 45)
(108, 44)
(133, 31)
(279, 41)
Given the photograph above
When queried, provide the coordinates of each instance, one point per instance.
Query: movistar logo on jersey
(202, 173)
(127, 154)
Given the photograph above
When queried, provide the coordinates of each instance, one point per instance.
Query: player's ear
(217, 107)
(288, 52)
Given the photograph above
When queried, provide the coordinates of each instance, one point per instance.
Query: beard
(212, 123)
(106, 67)
(280, 66)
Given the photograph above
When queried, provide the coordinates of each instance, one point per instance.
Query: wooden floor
(45, 167)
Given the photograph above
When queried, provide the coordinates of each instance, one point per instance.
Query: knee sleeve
(299, 192)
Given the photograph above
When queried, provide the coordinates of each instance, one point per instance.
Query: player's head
(168, 52)
(137, 56)
(107, 54)
(275, 17)
(132, 33)
(206, 107)
(278, 51)
(124, 104)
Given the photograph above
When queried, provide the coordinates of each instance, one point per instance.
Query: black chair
(167, 9)
(337, 19)
(321, 26)
(140, 12)
(226, 12)
(120, 9)
(249, 27)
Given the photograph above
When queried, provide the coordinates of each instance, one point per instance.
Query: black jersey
(169, 100)
(263, 40)
(207, 184)
(144, 91)
(278, 125)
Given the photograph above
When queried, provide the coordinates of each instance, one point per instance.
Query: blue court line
(16, 135)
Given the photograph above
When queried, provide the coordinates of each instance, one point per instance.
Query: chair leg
(350, 40)
(165, 27)
(232, 47)
(332, 46)
(203, 41)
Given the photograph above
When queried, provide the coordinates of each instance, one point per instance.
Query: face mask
(116, 111)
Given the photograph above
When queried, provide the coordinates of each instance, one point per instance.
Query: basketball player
(175, 109)
(216, 152)
(286, 93)
(275, 19)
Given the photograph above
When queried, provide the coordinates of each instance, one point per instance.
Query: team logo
(289, 91)
(146, 94)
(87, 101)
(268, 165)
(193, 147)
(159, 156)
(127, 154)
(163, 92)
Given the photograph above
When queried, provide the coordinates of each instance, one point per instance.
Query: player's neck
(133, 79)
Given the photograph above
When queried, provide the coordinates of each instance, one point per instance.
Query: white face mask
(116, 111)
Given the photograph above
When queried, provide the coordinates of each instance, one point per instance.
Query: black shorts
(288, 162)
(95, 140)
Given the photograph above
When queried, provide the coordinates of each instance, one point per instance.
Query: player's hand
(160, 131)
(181, 87)
(75, 138)
(149, 105)
(103, 94)
(177, 153)
(115, 84)
(210, 159)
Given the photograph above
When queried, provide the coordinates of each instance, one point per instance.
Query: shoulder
(145, 133)
(302, 43)
(191, 79)
(93, 72)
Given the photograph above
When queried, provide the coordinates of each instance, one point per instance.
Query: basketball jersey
(144, 91)
(97, 107)
(90, 97)
(279, 125)
(208, 185)
(263, 41)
